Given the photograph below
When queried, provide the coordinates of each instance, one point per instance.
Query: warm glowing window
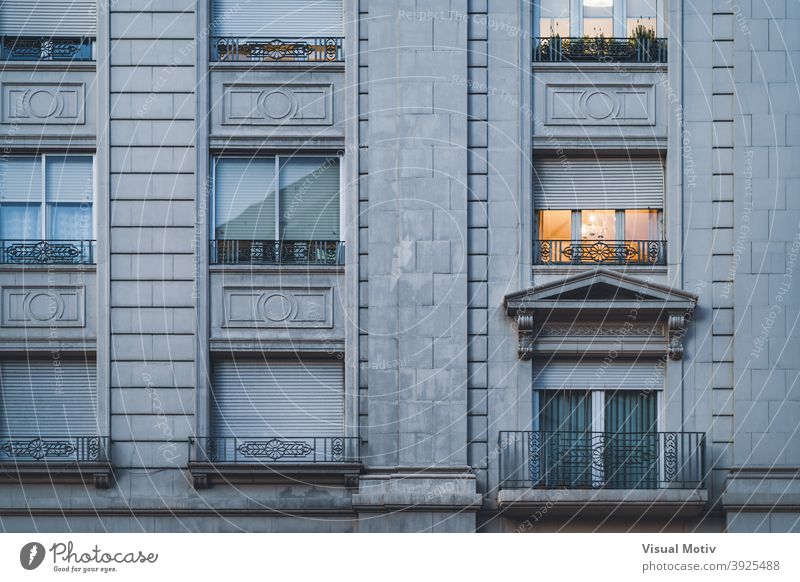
(555, 225)
(640, 15)
(554, 18)
(641, 224)
(598, 225)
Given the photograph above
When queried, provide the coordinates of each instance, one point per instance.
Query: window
(279, 30)
(48, 411)
(598, 424)
(599, 211)
(277, 210)
(46, 209)
(595, 18)
(48, 30)
(279, 411)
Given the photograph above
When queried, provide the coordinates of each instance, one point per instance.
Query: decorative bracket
(524, 324)
(676, 326)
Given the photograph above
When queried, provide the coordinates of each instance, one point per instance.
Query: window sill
(47, 267)
(293, 66)
(99, 473)
(569, 66)
(204, 474)
(49, 66)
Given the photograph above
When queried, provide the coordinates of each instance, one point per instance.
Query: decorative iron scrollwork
(37, 449)
(275, 449)
(47, 252)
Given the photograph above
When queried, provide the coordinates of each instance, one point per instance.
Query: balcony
(313, 50)
(55, 459)
(277, 252)
(599, 50)
(40, 48)
(582, 472)
(600, 252)
(47, 252)
(270, 459)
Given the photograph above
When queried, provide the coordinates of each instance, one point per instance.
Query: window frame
(43, 203)
(277, 157)
(620, 18)
(575, 226)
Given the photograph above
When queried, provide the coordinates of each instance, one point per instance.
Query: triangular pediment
(600, 289)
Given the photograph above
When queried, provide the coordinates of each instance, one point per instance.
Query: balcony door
(596, 424)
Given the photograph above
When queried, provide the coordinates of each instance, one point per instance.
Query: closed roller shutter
(48, 17)
(599, 375)
(286, 399)
(48, 398)
(288, 18)
(598, 184)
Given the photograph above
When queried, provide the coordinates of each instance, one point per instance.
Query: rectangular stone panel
(592, 104)
(43, 103)
(43, 307)
(277, 104)
(278, 307)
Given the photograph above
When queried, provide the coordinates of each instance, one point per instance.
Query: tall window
(47, 198)
(581, 412)
(47, 30)
(276, 198)
(593, 18)
(599, 211)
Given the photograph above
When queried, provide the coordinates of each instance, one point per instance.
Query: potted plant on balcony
(644, 40)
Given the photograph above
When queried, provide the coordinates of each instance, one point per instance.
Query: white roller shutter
(598, 375)
(598, 184)
(48, 398)
(48, 17)
(287, 18)
(278, 398)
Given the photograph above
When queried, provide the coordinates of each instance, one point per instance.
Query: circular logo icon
(31, 555)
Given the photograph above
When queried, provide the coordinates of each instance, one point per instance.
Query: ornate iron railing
(599, 49)
(321, 49)
(42, 48)
(53, 449)
(604, 252)
(47, 252)
(268, 450)
(277, 252)
(586, 460)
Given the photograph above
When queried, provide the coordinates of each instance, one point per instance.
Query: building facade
(379, 265)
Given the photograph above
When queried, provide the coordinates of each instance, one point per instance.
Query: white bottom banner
(497, 557)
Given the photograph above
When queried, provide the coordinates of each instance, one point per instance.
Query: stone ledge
(586, 502)
(423, 489)
(762, 489)
(205, 474)
(99, 474)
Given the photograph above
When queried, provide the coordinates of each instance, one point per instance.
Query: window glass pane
(555, 224)
(598, 18)
(69, 221)
(309, 197)
(20, 221)
(21, 179)
(69, 178)
(244, 202)
(598, 225)
(640, 13)
(641, 225)
(554, 18)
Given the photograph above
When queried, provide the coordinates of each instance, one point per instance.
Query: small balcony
(277, 252)
(55, 459)
(312, 50)
(600, 252)
(47, 252)
(558, 49)
(581, 472)
(42, 48)
(260, 459)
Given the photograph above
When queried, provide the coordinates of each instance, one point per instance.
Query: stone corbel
(524, 324)
(676, 326)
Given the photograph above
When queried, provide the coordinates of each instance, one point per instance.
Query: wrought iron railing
(42, 48)
(599, 49)
(53, 449)
(268, 450)
(321, 49)
(47, 252)
(604, 252)
(586, 460)
(277, 252)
